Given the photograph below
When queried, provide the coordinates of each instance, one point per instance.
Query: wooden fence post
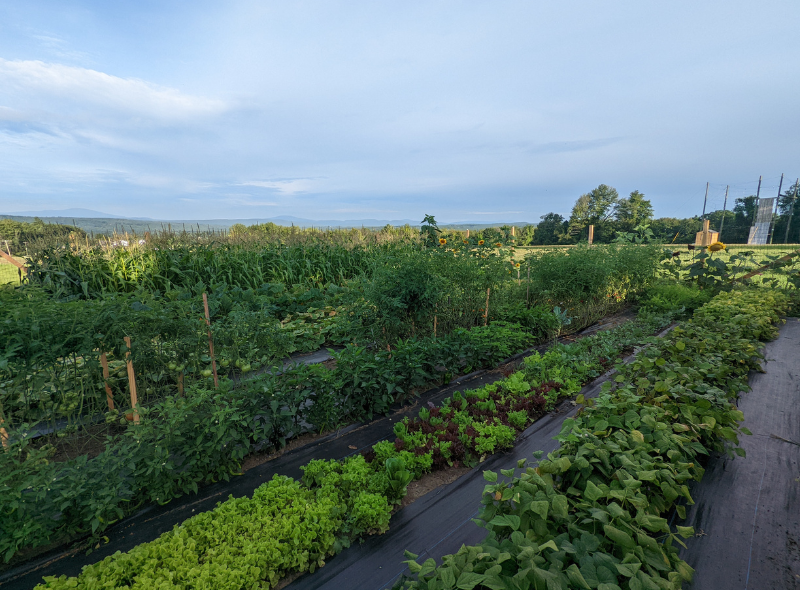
(210, 340)
(704, 241)
(486, 309)
(131, 380)
(591, 234)
(109, 395)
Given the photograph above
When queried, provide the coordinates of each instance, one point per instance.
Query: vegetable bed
(594, 513)
(358, 493)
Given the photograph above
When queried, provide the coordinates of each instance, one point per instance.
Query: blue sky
(471, 111)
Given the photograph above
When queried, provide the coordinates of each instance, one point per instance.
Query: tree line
(614, 218)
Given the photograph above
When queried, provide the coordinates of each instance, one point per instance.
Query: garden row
(291, 526)
(51, 349)
(595, 513)
(181, 442)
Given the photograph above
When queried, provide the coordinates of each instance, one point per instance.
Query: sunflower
(442, 241)
(481, 242)
(716, 246)
(497, 245)
(466, 241)
(516, 265)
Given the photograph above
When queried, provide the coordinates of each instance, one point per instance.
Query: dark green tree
(550, 230)
(633, 211)
(594, 208)
(788, 205)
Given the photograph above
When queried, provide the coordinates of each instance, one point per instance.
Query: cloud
(557, 147)
(286, 186)
(248, 201)
(92, 88)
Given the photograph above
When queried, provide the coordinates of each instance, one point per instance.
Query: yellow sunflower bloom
(716, 246)
(481, 242)
(442, 241)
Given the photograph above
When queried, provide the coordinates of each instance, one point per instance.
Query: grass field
(8, 272)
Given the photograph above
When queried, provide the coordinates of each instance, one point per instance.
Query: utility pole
(775, 212)
(724, 208)
(758, 196)
(791, 210)
(705, 200)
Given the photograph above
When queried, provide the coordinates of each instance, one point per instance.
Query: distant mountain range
(75, 212)
(99, 222)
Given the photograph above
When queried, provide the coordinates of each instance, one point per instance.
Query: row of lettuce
(290, 526)
(594, 514)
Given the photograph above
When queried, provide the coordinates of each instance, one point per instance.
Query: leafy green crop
(592, 515)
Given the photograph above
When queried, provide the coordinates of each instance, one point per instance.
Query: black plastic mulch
(438, 523)
(152, 521)
(747, 510)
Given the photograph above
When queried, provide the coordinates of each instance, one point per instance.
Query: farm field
(8, 272)
(142, 376)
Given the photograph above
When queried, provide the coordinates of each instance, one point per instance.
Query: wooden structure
(707, 236)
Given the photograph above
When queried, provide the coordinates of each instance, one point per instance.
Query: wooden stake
(486, 309)
(210, 339)
(109, 395)
(131, 380)
(180, 384)
(3, 432)
(528, 292)
(591, 234)
(434, 327)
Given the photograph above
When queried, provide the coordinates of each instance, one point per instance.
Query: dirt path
(747, 510)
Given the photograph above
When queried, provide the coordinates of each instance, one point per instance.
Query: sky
(470, 111)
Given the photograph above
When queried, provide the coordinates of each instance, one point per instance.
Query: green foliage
(341, 499)
(665, 296)
(243, 543)
(183, 442)
(597, 272)
(594, 208)
(20, 233)
(592, 515)
(634, 211)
